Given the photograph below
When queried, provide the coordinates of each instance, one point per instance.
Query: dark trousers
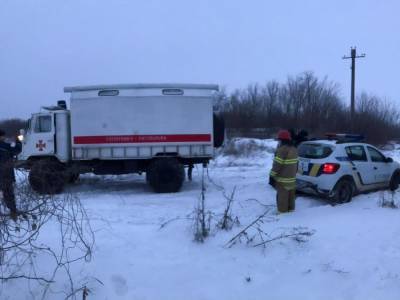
(8, 196)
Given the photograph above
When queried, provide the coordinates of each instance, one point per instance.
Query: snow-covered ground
(353, 254)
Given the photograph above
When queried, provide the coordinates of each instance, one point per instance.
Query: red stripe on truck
(127, 139)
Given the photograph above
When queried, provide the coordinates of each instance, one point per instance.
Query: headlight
(20, 138)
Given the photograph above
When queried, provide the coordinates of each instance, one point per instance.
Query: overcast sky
(48, 44)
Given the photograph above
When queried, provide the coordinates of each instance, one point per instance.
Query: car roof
(326, 142)
(336, 143)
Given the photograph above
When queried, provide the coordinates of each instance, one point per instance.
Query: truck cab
(48, 135)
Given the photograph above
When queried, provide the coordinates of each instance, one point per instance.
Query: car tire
(166, 175)
(394, 181)
(47, 177)
(342, 192)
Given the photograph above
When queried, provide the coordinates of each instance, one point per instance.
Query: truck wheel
(342, 192)
(166, 175)
(47, 177)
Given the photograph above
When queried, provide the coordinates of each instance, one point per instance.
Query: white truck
(119, 129)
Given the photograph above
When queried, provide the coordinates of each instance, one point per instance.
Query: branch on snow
(23, 241)
(26, 277)
(255, 235)
(299, 234)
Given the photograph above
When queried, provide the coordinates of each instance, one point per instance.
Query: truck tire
(166, 175)
(219, 130)
(47, 177)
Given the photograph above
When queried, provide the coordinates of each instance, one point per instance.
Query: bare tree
(379, 119)
(202, 217)
(24, 244)
(307, 102)
(227, 220)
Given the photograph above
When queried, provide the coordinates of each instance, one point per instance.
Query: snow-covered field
(353, 254)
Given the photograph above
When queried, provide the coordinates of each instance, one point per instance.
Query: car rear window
(308, 150)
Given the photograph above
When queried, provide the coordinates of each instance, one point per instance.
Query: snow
(354, 253)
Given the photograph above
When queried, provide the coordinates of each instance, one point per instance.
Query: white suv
(340, 169)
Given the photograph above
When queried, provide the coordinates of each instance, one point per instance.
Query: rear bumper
(310, 188)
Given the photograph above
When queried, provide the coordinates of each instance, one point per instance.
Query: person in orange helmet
(283, 173)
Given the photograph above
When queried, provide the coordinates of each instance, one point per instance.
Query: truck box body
(141, 121)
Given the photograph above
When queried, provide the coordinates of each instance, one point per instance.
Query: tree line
(302, 102)
(12, 126)
(306, 102)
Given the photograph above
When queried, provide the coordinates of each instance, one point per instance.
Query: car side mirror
(389, 160)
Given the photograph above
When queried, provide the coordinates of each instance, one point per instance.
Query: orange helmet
(284, 135)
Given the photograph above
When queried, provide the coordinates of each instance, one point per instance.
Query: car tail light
(330, 168)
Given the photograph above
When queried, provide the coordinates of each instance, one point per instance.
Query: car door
(381, 168)
(42, 137)
(361, 166)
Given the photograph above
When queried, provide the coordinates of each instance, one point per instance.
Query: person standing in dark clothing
(7, 176)
(298, 138)
(302, 136)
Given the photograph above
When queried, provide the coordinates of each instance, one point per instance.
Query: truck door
(42, 138)
(381, 169)
(62, 135)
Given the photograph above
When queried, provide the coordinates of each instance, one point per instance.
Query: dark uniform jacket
(7, 154)
(284, 168)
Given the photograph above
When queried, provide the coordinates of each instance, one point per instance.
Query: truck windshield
(313, 150)
(43, 123)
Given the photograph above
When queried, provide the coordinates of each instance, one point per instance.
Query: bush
(246, 147)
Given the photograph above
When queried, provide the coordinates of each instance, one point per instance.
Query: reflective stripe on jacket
(284, 168)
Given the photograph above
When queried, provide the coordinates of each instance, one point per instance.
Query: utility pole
(353, 56)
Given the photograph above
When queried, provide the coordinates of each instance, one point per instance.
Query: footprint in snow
(119, 284)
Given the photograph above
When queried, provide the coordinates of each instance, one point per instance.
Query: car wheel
(394, 181)
(342, 192)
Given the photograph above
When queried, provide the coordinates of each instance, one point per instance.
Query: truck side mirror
(22, 131)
